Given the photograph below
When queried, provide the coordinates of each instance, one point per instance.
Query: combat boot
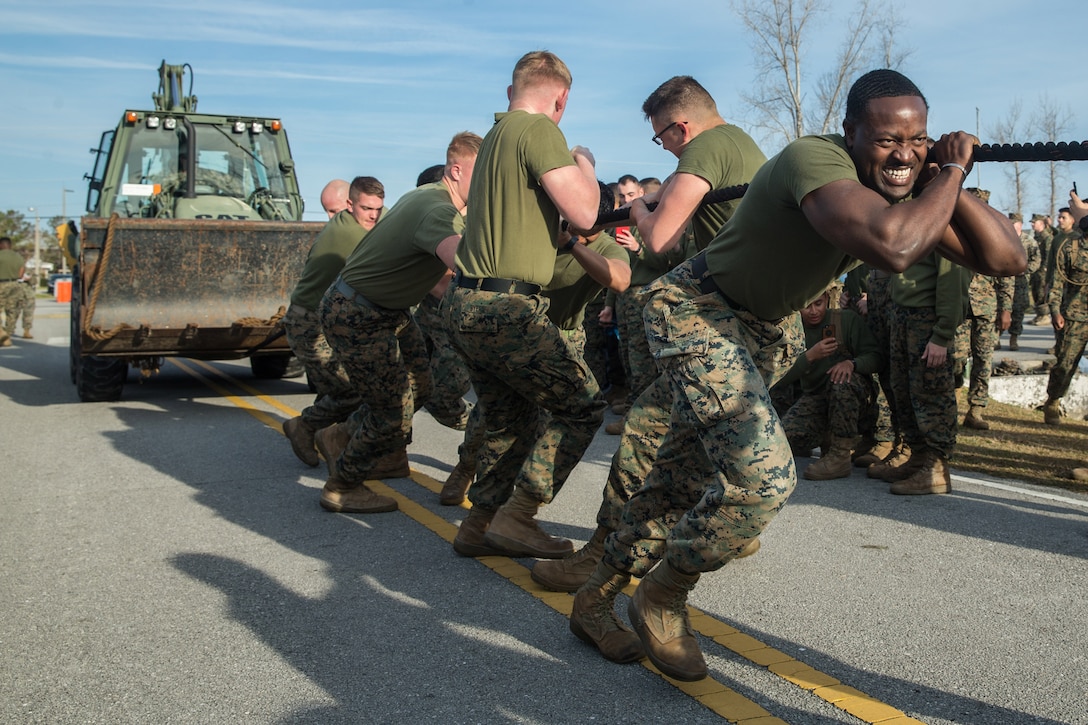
(470, 535)
(331, 442)
(515, 530)
(1041, 320)
(5, 339)
(570, 573)
(392, 465)
(614, 428)
(896, 458)
(659, 614)
(301, 437)
(865, 457)
(340, 496)
(974, 419)
(1014, 342)
(456, 486)
(932, 476)
(1052, 412)
(27, 335)
(834, 463)
(593, 617)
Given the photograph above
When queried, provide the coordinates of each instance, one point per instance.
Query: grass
(1020, 446)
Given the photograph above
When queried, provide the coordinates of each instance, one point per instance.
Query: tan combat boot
(570, 573)
(593, 617)
(863, 458)
(331, 442)
(5, 339)
(515, 530)
(340, 496)
(835, 463)
(659, 614)
(899, 458)
(470, 535)
(932, 476)
(392, 465)
(27, 335)
(1052, 412)
(1014, 342)
(301, 437)
(456, 486)
(974, 419)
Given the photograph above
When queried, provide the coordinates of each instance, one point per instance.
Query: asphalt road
(164, 559)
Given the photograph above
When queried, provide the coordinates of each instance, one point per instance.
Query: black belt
(350, 292)
(706, 281)
(497, 284)
(13, 279)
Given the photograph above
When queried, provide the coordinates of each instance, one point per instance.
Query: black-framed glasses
(657, 136)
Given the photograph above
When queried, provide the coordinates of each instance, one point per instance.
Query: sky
(379, 88)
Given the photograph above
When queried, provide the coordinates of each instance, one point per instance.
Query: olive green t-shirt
(934, 281)
(11, 264)
(768, 258)
(512, 222)
(397, 266)
(334, 243)
(722, 156)
(571, 289)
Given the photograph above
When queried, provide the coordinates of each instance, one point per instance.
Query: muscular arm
(613, 274)
(892, 237)
(678, 200)
(574, 190)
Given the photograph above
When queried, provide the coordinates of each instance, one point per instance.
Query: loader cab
(190, 166)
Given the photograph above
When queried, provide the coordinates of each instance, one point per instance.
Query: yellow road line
(712, 694)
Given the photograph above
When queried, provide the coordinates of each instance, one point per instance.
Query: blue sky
(379, 88)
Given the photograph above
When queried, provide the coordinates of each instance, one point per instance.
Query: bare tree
(1051, 120)
(779, 30)
(1009, 129)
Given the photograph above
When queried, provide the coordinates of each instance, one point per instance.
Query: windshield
(244, 166)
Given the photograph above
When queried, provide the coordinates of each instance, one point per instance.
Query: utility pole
(64, 216)
(37, 252)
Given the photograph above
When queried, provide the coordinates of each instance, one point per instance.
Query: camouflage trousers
(11, 301)
(724, 467)
(925, 397)
(878, 309)
(384, 356)
(1020, 304)
(602, 347)
(335, 397)
(1038, 291)
(520, 363)
(449, 376)
(30, 304)
(975, 340)
(1073, 341)
(641, 368)
(842, 410)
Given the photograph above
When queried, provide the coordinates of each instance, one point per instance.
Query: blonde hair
(463, 146)
(540, 67)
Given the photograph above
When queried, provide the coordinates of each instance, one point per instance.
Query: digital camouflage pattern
(11, 300)
(519, 362)
(335, 398)
(977, 334)
(724, 468)
(925, 397)
(841, 410)
(449, 376)
(1069, 297)
(385, 358)
(879, 301)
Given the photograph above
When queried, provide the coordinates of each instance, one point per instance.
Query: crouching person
(837, 388)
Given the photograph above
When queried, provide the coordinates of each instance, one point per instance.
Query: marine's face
(889, 145)
(1037, 225)
(1065, 221)
(629, 191)
(814, 314)
(366, 210)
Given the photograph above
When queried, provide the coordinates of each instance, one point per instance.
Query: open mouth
(898, 176)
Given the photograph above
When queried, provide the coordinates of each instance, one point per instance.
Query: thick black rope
(1050, 151)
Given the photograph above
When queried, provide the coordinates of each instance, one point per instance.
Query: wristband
(955, 166)
(569, 245)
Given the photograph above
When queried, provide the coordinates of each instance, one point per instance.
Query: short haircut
(540, 66)
(676, 95)
(464, 145)
(365, 185)
(1066, 210)
(628, 179)
(650, 184)
(430, 175)
(5, 242)
(883, 83)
